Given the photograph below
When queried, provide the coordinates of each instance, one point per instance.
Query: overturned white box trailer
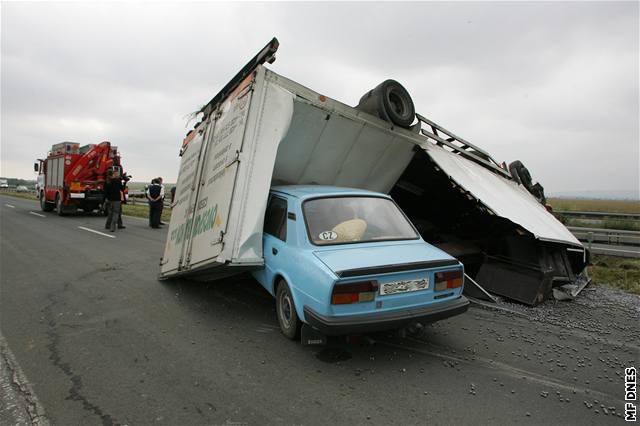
(265, 129)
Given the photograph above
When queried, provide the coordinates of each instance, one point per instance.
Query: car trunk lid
(351, 260)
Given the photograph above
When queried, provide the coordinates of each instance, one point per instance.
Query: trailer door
(220, 166)
(216, 225)
(184, 198)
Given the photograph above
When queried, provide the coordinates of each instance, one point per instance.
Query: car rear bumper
(354, 324)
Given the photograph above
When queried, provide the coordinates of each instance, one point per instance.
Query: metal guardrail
(139, 197)
(599, 215)
(606, 236)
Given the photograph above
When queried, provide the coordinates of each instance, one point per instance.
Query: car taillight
(448, 279)
(354, 292)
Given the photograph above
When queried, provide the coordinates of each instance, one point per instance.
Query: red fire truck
(73, 176)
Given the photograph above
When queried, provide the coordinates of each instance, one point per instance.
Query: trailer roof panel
(503, 196)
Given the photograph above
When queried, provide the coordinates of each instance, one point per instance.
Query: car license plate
(404, 286)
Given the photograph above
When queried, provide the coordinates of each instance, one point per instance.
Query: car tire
(59, 206)
(44, 205)
(288, 319)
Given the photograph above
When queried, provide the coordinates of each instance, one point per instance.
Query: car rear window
(342, 220)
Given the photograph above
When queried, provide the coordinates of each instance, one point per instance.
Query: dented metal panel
(328, 148)
(504, 197)
(224, 181)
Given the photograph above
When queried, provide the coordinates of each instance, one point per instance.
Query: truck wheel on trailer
(44, 205)
(391, 102)
(285, 308)
(59, 206)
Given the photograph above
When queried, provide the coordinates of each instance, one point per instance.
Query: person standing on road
(154, 195)
(162, 198)
(124, 178)
(113, 193)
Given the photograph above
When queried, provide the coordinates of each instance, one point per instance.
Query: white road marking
(37, 214)
(96, 232)
(10, 206)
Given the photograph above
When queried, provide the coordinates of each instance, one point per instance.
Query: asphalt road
(101, 341)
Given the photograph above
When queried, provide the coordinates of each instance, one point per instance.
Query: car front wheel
(285, 308)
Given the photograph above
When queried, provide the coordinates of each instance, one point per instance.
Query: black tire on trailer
(44, 205)
(288, 319)
(391, 102)
(59, 206)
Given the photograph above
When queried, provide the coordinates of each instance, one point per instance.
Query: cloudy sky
(552, 84)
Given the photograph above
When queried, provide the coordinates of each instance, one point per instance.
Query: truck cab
(346, 261)
(72, 177)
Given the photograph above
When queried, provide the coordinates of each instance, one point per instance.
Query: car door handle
(274, 250)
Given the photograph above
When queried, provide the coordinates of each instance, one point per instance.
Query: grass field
(584, 205)
(142, 210)
(27, 195)
(616, 272)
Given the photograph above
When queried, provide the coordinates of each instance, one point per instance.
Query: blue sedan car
(348, 261)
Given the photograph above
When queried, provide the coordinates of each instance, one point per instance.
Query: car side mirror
(35, 167)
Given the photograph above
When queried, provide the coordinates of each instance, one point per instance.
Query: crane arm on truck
(94, 162)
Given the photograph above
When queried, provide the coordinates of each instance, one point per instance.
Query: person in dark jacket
(154, 195)
(124, 178)
(113, 193)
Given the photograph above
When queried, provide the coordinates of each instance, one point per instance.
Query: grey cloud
(548, 83)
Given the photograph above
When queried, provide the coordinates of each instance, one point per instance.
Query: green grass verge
(617, 272)
(583, 205)
(142, 210)
(26, 195)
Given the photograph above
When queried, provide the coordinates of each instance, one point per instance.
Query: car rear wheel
(285, 308)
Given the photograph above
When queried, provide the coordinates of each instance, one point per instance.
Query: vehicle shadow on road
(243, 306)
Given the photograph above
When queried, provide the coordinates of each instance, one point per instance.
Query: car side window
(275, 219)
